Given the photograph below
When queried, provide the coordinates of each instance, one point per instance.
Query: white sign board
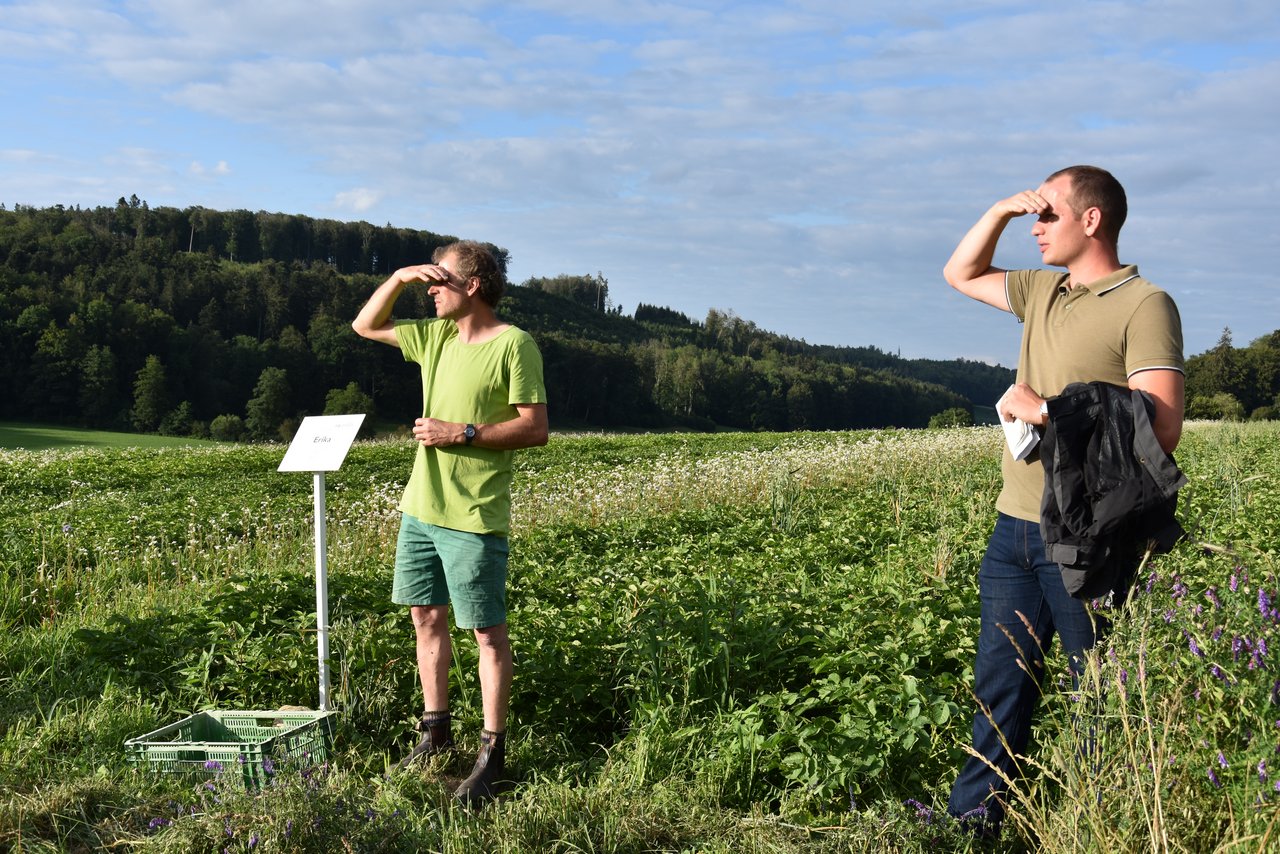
(321, 443)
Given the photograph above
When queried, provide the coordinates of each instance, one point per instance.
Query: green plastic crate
(213, 742)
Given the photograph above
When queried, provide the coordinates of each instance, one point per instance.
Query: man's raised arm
(969, 269)
(374, 320)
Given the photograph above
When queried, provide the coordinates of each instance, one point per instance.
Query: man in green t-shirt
(483, 398)
(1098, 321)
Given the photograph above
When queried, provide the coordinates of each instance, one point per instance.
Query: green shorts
(441, 566)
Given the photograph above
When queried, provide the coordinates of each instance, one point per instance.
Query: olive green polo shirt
(1105, 331)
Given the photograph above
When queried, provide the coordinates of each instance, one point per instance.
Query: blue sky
(806, 164)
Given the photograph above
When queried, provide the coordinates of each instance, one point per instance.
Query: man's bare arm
(528, 429)
(969, 269)
(1167, 388)
(374, 320)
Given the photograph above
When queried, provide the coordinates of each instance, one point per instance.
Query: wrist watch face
(470, 432)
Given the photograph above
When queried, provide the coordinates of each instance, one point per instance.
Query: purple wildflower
(268, 767)
(1124, 676)
(922, 812)
(1222, 760)
(159, 822)
(977, 812)
(1217, 633)
(1234, 582)
(1262, 770)
(1179, 590)
(1216, 672)
(253, 842)
(1237, 646)
(1151, 581)
(1192, 645)
(1264, 603)
(66, 529)
(1212, 595)
(1168, 615)
(1213, 778)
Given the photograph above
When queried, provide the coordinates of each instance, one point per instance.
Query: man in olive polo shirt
(483, 398)
(1098, 321)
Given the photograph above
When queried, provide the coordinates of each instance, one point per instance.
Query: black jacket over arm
(1110, 490)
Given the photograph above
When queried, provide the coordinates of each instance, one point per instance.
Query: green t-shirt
(1104, 331)
(464, 487)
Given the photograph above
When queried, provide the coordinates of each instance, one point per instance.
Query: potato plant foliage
(726, 642)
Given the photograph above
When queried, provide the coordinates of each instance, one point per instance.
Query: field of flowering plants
(738, 642)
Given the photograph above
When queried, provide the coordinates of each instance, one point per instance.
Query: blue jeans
(1015, 579)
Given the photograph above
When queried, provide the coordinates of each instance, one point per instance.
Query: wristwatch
(470, 432)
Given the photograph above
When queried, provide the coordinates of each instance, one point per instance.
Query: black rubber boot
(491, 764)
(437, 738)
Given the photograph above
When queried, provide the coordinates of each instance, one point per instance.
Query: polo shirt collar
(1109, 283)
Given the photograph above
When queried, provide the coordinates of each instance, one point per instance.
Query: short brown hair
(1092, 187)
(480, 260)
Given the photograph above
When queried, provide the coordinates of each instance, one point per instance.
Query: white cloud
(357, 200)
(27, 157)
(221, 168)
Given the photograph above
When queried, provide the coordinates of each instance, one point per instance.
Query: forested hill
(237, 323)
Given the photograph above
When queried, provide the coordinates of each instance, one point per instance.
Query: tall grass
(729, 643)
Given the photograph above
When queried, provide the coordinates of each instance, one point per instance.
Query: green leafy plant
(709, 656)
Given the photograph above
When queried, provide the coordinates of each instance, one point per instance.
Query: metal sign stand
(320, 445)
(322, 591)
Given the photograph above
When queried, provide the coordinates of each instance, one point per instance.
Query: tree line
(236, 324)
(1234, 384)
